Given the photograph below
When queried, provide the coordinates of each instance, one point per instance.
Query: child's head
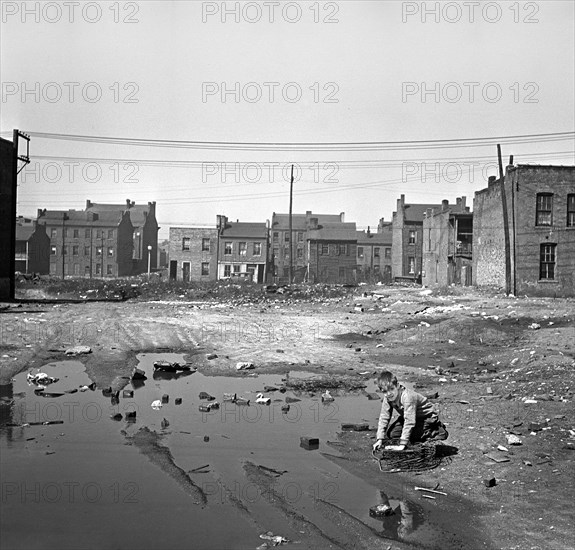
(387, 383)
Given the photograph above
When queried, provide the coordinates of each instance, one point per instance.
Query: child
(417, 421)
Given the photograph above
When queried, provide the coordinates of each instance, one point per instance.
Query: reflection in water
(401, 520)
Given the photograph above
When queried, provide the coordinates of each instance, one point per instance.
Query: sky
(204, 107)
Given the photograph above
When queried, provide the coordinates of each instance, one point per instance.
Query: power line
(311, 146)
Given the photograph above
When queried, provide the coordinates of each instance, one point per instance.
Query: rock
(309, 443)
(165, 398)
(107, 392)
(117, 416)
(164, 423)
(78, 350)
(357, 349)
(211, 356)
(534, 427)
(207, 396)
(512, 439)
(280, 351)
(178, 401)
(534, 326)
(353, 427)
(285, 408)
(292, 399)
(244, 365)
(381, 510)
(489, 390)
(206, 438)
(491, 482)
(131, 416)
(128, 394)
(229, 397)
(373, 397)
(138, 374)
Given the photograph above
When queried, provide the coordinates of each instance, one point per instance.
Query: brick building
(143, 219)
(540, 257)
(448, 245)
(280, 243)
(374, 253)
(407, 237)
(332, 252)
(193, 253)
(32, 247)
(7, 215)
(87, 243)
(242, 250)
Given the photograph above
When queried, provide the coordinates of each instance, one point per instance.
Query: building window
(206, 244)
(76, 233)
(360, 252)
(544, 209)
(257, 249)
(65, 231)
(110, 269)
(547, 262)
(342, 272)
(75, 250)
(87, 270)
(110, 252)
(286, 237)
(570, 210)
(236, 268)
(286, 271)
(53, 250)
(300, 236)
(388, 252)
(98, 269)
(325, 249)
(300, 253)
(53, 233)
(64, 250)
(276, 236)
(243, 247)
(276, 252)
(87, 233)
(227, 270)
(110, 233)
(344, 248)
(205, 268)
(337, 250)
(98, 251)
(412, 237)
(99, 234)
(186, 243)
(228, 248)
(411, 263)
(86, 251)
(376, 252)
(286, 253)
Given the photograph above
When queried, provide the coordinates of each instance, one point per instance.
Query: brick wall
(527, 182)
(7, 221)
(488, 238)
(325, 268)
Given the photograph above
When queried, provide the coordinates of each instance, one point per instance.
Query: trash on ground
(40, 378)
(430, 491)
(327, 396)
(244, 365)
(263, 400)
(309, 443)
(275, 539)
(78, 350)
(156, 405)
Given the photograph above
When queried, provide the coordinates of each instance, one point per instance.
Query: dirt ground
(500, 366)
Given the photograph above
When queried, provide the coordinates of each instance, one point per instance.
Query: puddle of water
(85, 487)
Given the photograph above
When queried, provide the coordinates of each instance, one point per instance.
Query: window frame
(186, 244)
(209, 244)
(547, 261)
(205, 269)
(570, 220)
(412, 233)
(228, 248)
(257, 248)
(539, 211)
(243, 248)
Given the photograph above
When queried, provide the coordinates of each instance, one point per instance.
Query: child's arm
(409, 416)
(384, 417)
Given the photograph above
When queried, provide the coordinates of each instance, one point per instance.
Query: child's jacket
(411, 406)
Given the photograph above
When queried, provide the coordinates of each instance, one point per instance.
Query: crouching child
(417, 419)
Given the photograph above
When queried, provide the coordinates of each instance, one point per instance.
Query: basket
(415, 458)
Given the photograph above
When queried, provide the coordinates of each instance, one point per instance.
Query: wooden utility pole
(290, 228)
(505, 224)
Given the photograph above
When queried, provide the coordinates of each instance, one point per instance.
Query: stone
(244, 365)
(128, 394)
(309, 443)
(164, 423)
(117, 416)
(78, 350)
(352, 427)
(178, 401)
(165, 398)
(491, 482)
(534, 427)
(138, 374)
(211, 356)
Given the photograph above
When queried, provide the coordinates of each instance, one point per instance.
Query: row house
(242, 250)
(448, 245)
(534, 253)
(32, 247)
(332, 252)
(193, 253)
(374, 253)
(283, 244)
(145, 231)
(88, 244)
(407, 246)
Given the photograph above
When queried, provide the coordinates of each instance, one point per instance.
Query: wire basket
(415, 458)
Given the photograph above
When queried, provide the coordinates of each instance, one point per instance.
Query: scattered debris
(326, 397)
(78, 350)
(263, 400)
(156, 405)
(244, 365)
(491, 482)
(430, 491)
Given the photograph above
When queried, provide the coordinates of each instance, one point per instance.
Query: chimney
(444, 205)
(368, 231)
(511, 160)
(308, 213)
(458, 203)
(463, 202)
(342, 217)
(88, 204)
(491, 180)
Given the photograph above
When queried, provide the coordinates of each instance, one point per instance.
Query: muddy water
(84, 483)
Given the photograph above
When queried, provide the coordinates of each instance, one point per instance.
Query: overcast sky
(343, 72)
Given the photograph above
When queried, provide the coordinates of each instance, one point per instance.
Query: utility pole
(63, 245)
(290, 227)
(505, 224)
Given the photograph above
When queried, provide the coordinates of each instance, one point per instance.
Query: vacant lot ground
(499, 365)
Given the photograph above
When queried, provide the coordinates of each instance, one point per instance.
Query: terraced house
(242, 250)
